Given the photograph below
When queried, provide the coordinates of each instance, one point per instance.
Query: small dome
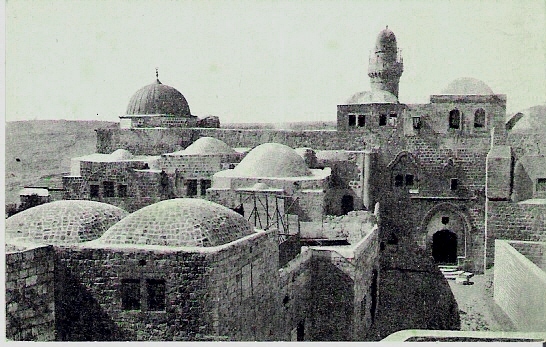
(208, 145)
(158, 98)
(372, 97)
(121, 154)
(179, 223)
(386, 41)
(63, 222)
(467, 86)
(272, 160)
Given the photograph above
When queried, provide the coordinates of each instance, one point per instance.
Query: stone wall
(519, 287)
(521, 221)
(88, 284)
(30, 306)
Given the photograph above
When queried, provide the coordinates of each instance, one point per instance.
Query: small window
(156, 294)
(416, 123)
(108, 189)
(94, 190)
(392, 119)
(361, 120)
(479, 118)
(541, 185)
(191, 187)
(122, 190)
(454, 119)
(130, 294)
(409, 180)
(205, 184)
(382, 119)
(398, 180)
(454, 184)
(352, 120)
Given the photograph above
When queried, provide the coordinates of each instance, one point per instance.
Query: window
(454, 184)
(382, 119)
(541, 185)
(479, 118)
(191, 187)
(205, 184)
(392, 119)
(94, 190)
(122, 190)
(156, 294)
(352, 120)
(454, 119)
(398, 180)
(416, 123)
(361, 120)
(409, 180)
(108, 189)
(130, 294)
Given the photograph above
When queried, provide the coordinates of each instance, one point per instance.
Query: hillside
(39, 152)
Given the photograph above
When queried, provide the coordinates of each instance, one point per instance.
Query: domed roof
(121, 154)
(372, 97)
(209, 145)
(467, 86)
(179, 223)
(386, 41)
(63, 222)
(272, 160)
(158, 98)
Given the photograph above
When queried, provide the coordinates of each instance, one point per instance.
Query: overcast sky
(258, 60)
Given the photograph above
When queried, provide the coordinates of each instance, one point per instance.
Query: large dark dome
(158, 98)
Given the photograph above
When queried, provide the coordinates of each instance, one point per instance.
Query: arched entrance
(444, 247)
(347, 204)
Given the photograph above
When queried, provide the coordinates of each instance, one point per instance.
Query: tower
(386, 64)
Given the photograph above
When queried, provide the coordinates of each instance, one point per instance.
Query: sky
(259, 60)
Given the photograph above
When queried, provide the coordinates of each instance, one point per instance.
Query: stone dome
(63, 222)
(272, 160)
(386, 41)
(467, 86)
(121, 154)
(179, 223)
(209, 145)
(158, 98)
(372, 97)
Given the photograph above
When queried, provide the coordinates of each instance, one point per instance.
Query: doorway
(444, 247)
(347, 204)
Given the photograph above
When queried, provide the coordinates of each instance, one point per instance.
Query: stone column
(367, 195)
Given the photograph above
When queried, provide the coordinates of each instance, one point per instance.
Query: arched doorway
(347, 204)
(444, 247)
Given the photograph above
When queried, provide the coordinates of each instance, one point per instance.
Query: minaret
(386, 64)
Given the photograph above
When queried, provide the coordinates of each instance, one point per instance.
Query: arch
(455, 119)
(426, 231)
(401, 155)
(479, 118)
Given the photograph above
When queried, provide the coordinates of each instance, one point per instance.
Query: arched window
(454, 119)
(479, 118)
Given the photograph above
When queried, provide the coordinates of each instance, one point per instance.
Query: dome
(63, 222)
(208, 145)
(121, 154)
(158, 98)
(467, 86)
(272, 160)
(179, 223)
(372, 97)
(386, 41)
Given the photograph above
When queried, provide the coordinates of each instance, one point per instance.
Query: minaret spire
(157, 75)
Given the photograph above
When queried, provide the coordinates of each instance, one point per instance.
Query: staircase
(453, 272)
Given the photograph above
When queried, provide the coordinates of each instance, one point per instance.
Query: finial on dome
(387, 27)
(157, 75)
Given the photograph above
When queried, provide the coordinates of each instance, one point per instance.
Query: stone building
(182, 269)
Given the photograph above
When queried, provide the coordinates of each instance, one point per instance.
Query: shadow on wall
(78, 315)
(413, 293)
(333, 298)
